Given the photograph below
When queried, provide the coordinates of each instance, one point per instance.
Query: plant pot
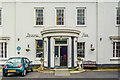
(41, 60)
(92, 49)
(27, 50)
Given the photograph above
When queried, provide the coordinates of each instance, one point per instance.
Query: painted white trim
(85, 8)
(3, 59)
(115, 58)
(59, 1)
(38, 7)
(48, 1)
(116, 40)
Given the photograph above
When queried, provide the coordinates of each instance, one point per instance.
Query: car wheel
(5, 74)
(31, 69)
(24, 72)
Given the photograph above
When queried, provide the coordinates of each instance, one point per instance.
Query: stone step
(62, 72)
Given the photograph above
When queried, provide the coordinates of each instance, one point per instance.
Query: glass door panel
(57, 56)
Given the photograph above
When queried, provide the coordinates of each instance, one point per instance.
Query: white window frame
(4, 41)
(115, 48)
(84, 14)
(56, 15)
(1, 16)
(35, 16)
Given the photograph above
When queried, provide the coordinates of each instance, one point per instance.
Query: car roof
(17, 57)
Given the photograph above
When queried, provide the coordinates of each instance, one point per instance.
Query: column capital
(72, 36)
(49, 37)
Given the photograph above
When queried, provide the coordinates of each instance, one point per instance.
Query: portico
(60, 47)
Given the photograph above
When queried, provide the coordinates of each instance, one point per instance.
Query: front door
(63, 56)
(60, 56)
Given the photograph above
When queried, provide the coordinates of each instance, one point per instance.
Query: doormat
(62, 72)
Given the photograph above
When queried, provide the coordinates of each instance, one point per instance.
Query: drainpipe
(15, 31)
(96, 31)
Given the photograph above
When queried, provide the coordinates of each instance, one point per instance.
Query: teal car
(19, 65)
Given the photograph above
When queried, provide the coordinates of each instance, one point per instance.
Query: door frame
(59, 47)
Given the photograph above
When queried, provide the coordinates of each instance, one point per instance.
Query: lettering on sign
(32, 35)
(84, 35)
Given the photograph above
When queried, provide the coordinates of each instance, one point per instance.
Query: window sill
(117, 25)
(115, 59)
(37, 59)
(81, 26)
(38, 25)
(59, 25)
(3, 59)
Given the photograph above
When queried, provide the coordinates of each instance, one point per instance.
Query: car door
(25, 63)
(28, 63)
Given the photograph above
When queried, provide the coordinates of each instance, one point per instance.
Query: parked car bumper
(13, 70)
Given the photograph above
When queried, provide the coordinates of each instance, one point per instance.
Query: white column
(7, 50)
(69, 52)
(0, 50)
(3, 50)
(52, 52)
(75, 52)
(45, 52)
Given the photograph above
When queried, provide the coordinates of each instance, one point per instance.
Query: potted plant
(42, 61)
(27, 50)
(79, 58)
(79, 62)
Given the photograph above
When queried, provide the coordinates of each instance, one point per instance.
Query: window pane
(116, 49)
(39, 16)
(3, 46)
(60, 17)
(5, 50)
(81, 49)
(39, 48)
(118, 16)
(80, 16)
(60, 41)
(0, 17)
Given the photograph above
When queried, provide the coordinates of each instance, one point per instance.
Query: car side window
(24, 60)
(27, 60)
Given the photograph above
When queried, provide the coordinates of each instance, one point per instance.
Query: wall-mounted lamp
(18, 39)
(28, 46)
(100, 39)
(92, 48)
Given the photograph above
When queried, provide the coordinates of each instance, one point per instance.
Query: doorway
(61, 56)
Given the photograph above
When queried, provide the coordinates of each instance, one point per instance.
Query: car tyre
(5, 74)
(31, 69)
(24, 72)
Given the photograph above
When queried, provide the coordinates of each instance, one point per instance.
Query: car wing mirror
(31, 61)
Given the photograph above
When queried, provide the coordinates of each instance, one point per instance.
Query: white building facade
(60, 30)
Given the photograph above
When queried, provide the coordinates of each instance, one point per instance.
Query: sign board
(18, 48)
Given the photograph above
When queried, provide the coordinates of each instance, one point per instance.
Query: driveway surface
(87, 74)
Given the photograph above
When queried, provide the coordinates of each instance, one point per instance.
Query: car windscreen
(14, 60)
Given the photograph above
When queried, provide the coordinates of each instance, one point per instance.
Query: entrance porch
(60, 47)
